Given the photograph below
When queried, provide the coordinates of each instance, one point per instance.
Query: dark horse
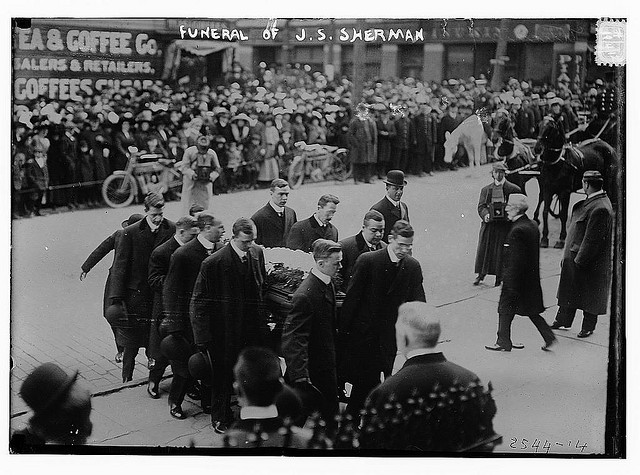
(516, 155)
(562, 168)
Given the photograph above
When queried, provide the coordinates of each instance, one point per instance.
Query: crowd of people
(195, 301)
(63, 150)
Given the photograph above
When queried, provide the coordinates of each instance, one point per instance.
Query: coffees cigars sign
(68, 63)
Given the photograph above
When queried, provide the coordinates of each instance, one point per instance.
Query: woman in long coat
(495, 225)
(363, 141)
(386, 136)
(123, 140)
(269, 169)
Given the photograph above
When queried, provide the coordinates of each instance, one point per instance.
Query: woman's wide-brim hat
(201, 367)
(396, 178)
(46, 387)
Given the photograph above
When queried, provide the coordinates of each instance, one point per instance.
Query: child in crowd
(234, 165)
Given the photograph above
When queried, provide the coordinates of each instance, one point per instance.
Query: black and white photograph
(318, 235)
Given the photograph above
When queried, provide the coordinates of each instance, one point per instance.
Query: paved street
(558, 397)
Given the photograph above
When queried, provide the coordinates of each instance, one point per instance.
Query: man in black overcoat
(423, 369)
(309, 334)
(318, 226)
(176, 297)
(274, 220)
(368, 239)
(382, 280)
(390, 206)
(104, 248)
(186, 230)
(585, 280)
(129, 278)
(259, 386)
(521, 291)
(227, 312)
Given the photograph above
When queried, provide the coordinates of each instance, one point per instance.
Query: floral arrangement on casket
(286, 269)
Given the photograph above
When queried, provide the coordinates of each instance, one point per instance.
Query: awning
(204, 47)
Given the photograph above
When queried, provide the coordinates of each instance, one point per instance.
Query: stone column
(244, 56)
(389, 61)
(433, 62)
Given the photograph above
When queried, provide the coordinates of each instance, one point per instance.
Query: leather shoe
(151, 363)
(517, 346)
(478, 280)
(194, 394)
(220, 427)
(547, 346)
(585, 333)
(497, 348)
(556, 326)
(176, 412)
(118, 357)
(152, 390)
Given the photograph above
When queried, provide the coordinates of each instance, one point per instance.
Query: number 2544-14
(537, 445)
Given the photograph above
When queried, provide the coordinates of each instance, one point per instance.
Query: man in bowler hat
(585, 279)
(61, 410)
(390, 206)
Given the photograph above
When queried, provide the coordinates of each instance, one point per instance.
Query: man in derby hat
(391, 208)
(585, 279)
(176, 296)
(130, 284)
(109, 244)
(494, 225)
(61, 410)
(227, 311)
(521, 291)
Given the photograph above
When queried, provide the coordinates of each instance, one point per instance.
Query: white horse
(470, 134)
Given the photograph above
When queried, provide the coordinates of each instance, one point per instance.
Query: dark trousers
(362, 385)
(504, 329)
(220, 393)
(399, 159)
(361, 172)
(427, 159)
(327, 384)
(566, 315)
(180, 382)
(161, 362)
(364, 371)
